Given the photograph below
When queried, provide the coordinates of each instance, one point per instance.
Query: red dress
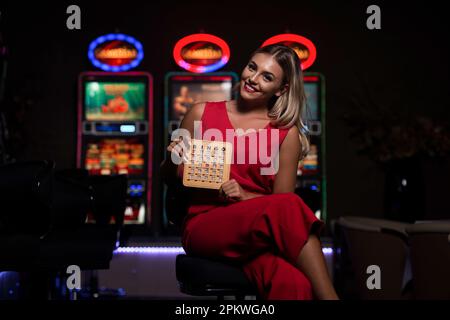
(265, 234)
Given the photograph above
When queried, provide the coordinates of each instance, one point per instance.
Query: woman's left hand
(231, 190)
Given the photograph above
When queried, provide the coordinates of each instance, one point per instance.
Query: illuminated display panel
(114, 101)
(187, 90)
(115, 156)
(312, 119)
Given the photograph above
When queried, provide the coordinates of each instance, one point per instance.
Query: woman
(257, 219)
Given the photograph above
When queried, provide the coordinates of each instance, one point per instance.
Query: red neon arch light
(196, 38)
(289, 37)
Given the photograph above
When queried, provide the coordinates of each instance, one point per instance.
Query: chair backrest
(109, 198)
(26, 190)
(379, 243)
(72, 198)
(430, 258)
(76, 193)
(176, 204)
(35, 199)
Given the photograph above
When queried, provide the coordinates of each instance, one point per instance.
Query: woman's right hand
(177, 149)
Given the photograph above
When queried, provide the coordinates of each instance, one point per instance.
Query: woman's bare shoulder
(292, 141)
(291, 146)
(293, 132)
(195, 113)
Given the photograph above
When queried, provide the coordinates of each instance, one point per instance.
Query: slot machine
(200, 55)
(115, 121)
(311, 173)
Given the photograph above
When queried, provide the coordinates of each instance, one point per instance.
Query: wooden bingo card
(208, 164)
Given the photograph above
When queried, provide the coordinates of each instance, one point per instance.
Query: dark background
(404, 65)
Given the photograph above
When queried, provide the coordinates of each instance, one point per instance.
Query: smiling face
(262, 79)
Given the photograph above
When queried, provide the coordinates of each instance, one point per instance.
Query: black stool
(199, 276)
(204, 277)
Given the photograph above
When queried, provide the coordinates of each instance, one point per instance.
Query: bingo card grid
(208, 164)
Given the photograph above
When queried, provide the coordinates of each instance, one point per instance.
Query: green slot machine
(115, 121)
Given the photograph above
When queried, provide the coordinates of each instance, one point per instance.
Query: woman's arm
(289, 156)
(233, 191)
(169, 169)
(285, 178)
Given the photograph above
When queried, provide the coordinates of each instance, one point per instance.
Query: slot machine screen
(311, 115)
(186, 90)
(114, 101)
(311, 112)
(115, 156)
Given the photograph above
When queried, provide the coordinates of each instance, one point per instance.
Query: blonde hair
(287, 109)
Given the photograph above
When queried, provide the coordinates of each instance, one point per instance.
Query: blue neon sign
(119, 52)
